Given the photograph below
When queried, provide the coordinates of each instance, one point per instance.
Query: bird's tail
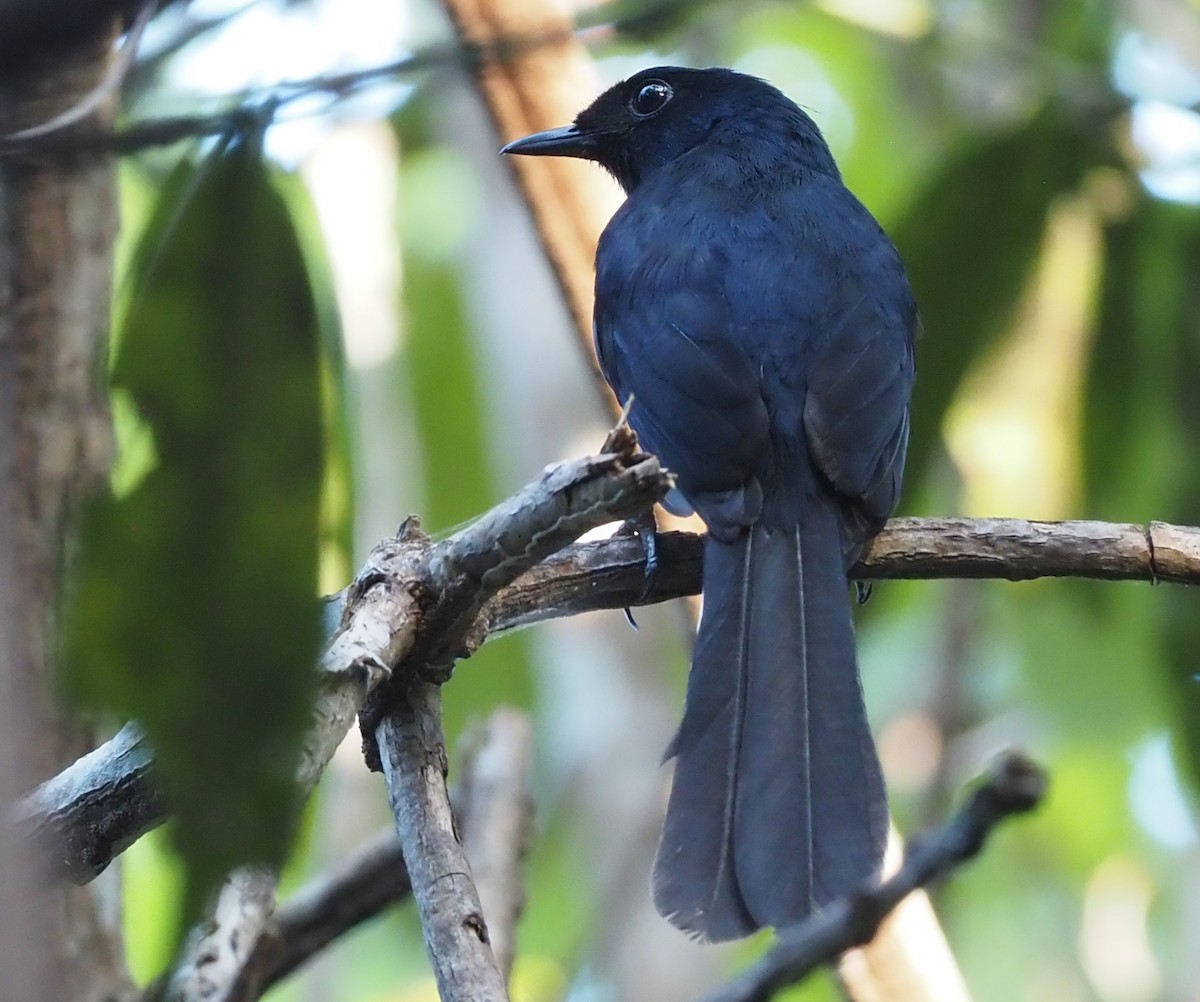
(777, 804)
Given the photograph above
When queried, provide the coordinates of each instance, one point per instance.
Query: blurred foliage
(194, 605)
(444, 368)
(989, 204)
(967, 127)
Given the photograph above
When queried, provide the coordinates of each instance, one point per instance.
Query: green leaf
(1142, 421)
(1142, 324)
(970, 242)
(194, 607)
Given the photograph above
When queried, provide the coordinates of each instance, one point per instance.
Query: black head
(663, 112)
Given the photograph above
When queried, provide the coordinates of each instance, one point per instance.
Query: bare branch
(443, 586)
(493, 807)
(333, 904)
(1018, 550)
(216, 954)
(1016, 785)
(401, 722)
(413, 752)
(92, 811)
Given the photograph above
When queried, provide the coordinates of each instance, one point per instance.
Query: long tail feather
(777, 805)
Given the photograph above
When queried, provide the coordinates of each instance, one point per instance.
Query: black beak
(565, 142)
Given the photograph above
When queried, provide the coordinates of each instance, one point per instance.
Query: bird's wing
(856, 409)
(697, 404)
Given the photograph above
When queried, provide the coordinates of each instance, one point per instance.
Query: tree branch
(96, 808)
(492, 805)
(413, 605)
(413, 753)
(1018, 550)
(1014, 786)
(215, 963)
(244, 110)
(445, 585)
(93, 810)
(401, 723)
(333, 904)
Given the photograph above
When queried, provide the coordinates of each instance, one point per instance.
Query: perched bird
(763, 324)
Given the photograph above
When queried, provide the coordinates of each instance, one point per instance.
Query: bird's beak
(568, 141)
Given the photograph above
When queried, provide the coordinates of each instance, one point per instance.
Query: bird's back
(767, 255)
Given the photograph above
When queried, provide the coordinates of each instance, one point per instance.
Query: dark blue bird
(763, 325)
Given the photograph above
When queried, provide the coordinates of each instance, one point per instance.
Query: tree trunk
(57, 226)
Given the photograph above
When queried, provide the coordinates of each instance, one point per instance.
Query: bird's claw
(646, 529)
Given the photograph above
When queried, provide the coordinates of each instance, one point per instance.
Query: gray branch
(402, 723)
(413, 753)
(96, 808)
(215, 960)
(333, 904)
(93, 810)
(1016, 785)
(493, 808)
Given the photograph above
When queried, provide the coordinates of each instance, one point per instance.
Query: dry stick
(1014, 786)
(373, 878)
(218, 949)
(404, 716)
(412, 748)
(493, 806)
(97, 807)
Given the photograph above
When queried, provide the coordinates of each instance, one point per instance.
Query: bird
(759, 325)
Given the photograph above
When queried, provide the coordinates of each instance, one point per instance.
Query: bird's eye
(650, 98)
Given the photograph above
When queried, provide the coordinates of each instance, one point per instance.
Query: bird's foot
(646, 529)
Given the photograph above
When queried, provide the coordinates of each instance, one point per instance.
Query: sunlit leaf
(194, 607)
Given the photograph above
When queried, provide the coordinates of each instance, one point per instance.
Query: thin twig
(331, 905)
(1016, 785)
(241, 109)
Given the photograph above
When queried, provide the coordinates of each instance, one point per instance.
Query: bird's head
(664, 112)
